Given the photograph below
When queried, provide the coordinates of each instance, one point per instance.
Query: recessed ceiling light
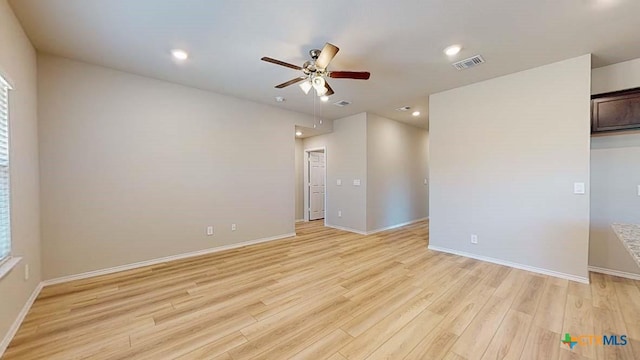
(416, 113)
(452, 50)
(179, 54)
(298, 133)
(324, 98)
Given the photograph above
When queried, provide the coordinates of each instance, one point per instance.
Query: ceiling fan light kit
(319, 83)
(315, 71)
(306, 86)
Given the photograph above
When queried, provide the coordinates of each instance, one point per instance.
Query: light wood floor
(329, 294)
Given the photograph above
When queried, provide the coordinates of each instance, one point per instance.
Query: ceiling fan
(315, 71)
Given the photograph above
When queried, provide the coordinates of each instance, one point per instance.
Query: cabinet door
(615, 112)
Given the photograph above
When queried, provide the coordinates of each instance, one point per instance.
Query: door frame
(306, 181)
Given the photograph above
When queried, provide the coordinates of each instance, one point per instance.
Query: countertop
(629, 234)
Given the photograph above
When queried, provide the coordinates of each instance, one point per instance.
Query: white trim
(396, 226)
(7, 265)
(140, 264)
(300, 220)
(5, 81)
(16, 324)
(622, 274)
(305, 181)
(344, 228)
(584, 280)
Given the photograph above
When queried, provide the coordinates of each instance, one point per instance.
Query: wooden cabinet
(615, 111)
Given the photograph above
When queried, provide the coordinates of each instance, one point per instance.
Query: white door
(316, 185)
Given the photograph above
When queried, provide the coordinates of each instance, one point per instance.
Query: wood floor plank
(323, 348)
(453, 356)
(407, 338)
(328, 294)
(215, 348)
(605, 324)
(465, 310)
(510, 338)
(361, 346)
(541, 343)
(476, 337)
(434, 346)
(578, 320)
(629, 299)
(550, 313)
(527, 301)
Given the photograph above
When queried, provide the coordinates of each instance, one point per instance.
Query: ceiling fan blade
(282, 63)
(290, 82)
(326, 55)
(358, 75)
(329, 89)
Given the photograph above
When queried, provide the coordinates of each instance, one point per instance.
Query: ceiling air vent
(342, 103)
(467, 63)
(404, 108)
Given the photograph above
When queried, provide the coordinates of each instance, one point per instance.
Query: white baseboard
(396, 226)
(299, 220)
(584, 280)
(344, 228)
(617, 273)
(16, 324)
(140, 264)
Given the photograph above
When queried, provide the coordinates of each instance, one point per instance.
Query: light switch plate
(339, 182)
(425, 181)
(356, 182)
(578, 188)
(638, 190)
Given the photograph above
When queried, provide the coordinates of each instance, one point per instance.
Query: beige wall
(134, 168)
(615, 176)
(299, 188)
(391, 161)
(397, 165)
(346, 160)
(18, 65)
(504, 155)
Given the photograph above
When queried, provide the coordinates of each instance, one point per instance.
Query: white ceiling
(400, 42)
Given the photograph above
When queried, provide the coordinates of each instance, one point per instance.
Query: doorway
(315, 174)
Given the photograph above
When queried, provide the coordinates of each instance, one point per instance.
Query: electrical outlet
(578, 188)
(339, 182)
(233, 227)
(209, 230)
(474, 238)
(27, 272)
(339, 213)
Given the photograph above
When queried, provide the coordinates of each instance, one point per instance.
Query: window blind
(5, 231)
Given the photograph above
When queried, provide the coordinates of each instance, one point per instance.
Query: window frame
(8, 262)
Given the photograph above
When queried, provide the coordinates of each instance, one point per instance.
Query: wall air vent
(342, 103)
(467, 63)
